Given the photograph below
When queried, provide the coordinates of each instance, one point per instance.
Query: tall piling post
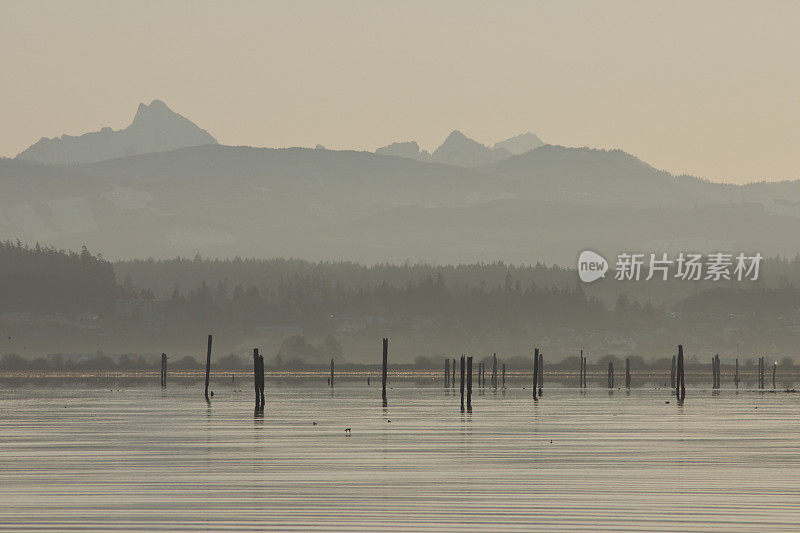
(494, 371)
(541, 372)
(585, 369)
(535, 372)
(256, 378)
(714, 373)
(610, 375)
(447, 373)
(627, 372)
(680, 385)
(453, 381)
(580, 372)
(385, 363)
(469, 383)
(774, 369)
(736, 376)
(163, 370)
(463, 370)
(758, 374)
(504, 375)
(208, 365)
(261, 379)
(331, 372)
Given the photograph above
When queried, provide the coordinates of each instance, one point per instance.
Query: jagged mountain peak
(155, 128)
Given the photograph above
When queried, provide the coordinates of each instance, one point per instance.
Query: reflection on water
(144, 458)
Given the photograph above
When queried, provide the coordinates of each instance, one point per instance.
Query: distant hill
(520, 144)
(155, 128)
(544, 204)
(460, 150)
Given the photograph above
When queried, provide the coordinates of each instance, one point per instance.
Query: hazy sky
(707, 88)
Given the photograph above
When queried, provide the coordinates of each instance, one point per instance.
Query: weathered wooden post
(208, 365)
(580, 372)
(719, 371)
(385, 362)
(736, 376)
(453, 382)
(163, 370)
(535, 372)
(446, 373)
(463, 370)
(714, 372)
(680, 387)
(504, 375)
(774, 369)
(331, 372)
(610, 375)
(256, 378)
(541, 372)
(585, 369)
(480, 369)
(627, 372)
(494, 371)
(261, 379)
(672, 373)
(469, 383)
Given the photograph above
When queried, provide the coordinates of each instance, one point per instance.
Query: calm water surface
(146, 459)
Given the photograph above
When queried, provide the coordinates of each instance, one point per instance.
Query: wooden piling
(463, 370)
(208, 365)
(541, 372)
(256, 378)
(680, 385)
(261, 379)
(385, 363)
(447, 373)
(163, 370)
(494, 371)
(627, 372)
(714, 372)
(610, 375)
(504, 375)
(585, 369)
(774, 369)
(331, 372)
(453, 382)
(736, 376)
(580, 372)
(469, 383)
(535, 372)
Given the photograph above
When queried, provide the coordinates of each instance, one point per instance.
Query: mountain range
(175, 191)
